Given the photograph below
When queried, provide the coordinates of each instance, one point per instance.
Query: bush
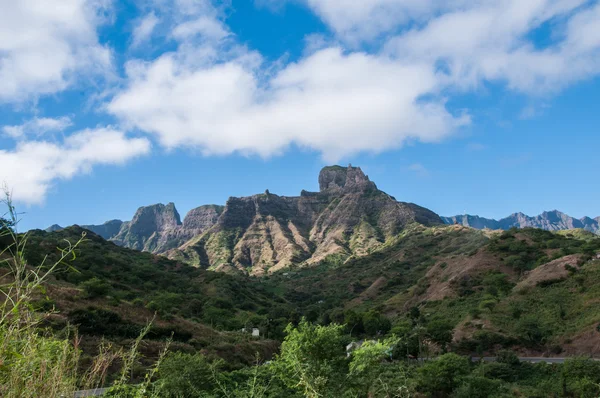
(532, 331)
(480, 387)
(313, 359)
(186, 375)
(440, 331)
(438, 378)
(95, 287)
(582, 377)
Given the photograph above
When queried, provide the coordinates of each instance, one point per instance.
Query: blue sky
(488, 107)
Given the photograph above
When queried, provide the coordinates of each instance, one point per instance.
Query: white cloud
(45, 45)
(332, 102)
(355, 21)
(144, 29)
(31, 168)
(37, 127)
(208, 28)
(220, 97)
(488, 42)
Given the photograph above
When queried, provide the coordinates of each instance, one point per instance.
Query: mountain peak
(156, 217)
(554, 220)
(54, 228)
(339, 178)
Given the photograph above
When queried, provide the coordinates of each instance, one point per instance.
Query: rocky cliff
(107, 230)
(158, 228)
(348, 217)
(548, 220)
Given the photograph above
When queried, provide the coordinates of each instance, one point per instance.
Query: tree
(440, 331)
(186, 375)
(95, 287)
(374, 323)
(581, 377)
(532, 331)
(313, 359)
(438, 378)
(366, 361)
(479, 387)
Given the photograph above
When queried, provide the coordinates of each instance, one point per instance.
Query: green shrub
(186, 375)
(438, 378)
(95, 287)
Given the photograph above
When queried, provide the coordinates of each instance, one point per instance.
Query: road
(527, 359)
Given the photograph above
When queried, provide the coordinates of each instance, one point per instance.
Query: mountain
(489, 290)
(158, 228)
(348, 217)
(54, 228)
(107, 230)
(111, 293)
(548, 220)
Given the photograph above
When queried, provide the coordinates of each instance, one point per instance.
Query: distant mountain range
(348, 217)
(548, 220)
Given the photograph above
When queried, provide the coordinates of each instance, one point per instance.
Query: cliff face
(158, 228)
(265, 233)
(148, 225)
(106, 230)
(548, 220)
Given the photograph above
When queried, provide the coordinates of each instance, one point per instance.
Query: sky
(484, 107)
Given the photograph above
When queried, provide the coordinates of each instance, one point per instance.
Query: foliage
(438, 378)
(36, 362)
(312, 359)
(186, 375)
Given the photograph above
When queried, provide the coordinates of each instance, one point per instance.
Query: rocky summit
(548, 220)
(349, 217)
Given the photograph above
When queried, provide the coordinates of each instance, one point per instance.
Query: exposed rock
(107, 230)
(266, 233)
(158, 228)
(201, 218)
(144, 231)
(548, 220)
(341, 179)
(555, 270)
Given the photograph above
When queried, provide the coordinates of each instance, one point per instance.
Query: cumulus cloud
(217, 96)
(383, 78)
(45, 45)
(209, 28)
(144, 29)
(332, 102)
(488, 42)
(37, 127)
(31, 168)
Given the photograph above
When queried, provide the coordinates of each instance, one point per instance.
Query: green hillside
(426, 292)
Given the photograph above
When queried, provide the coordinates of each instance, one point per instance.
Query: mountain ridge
(349, 216)
(548, 220)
